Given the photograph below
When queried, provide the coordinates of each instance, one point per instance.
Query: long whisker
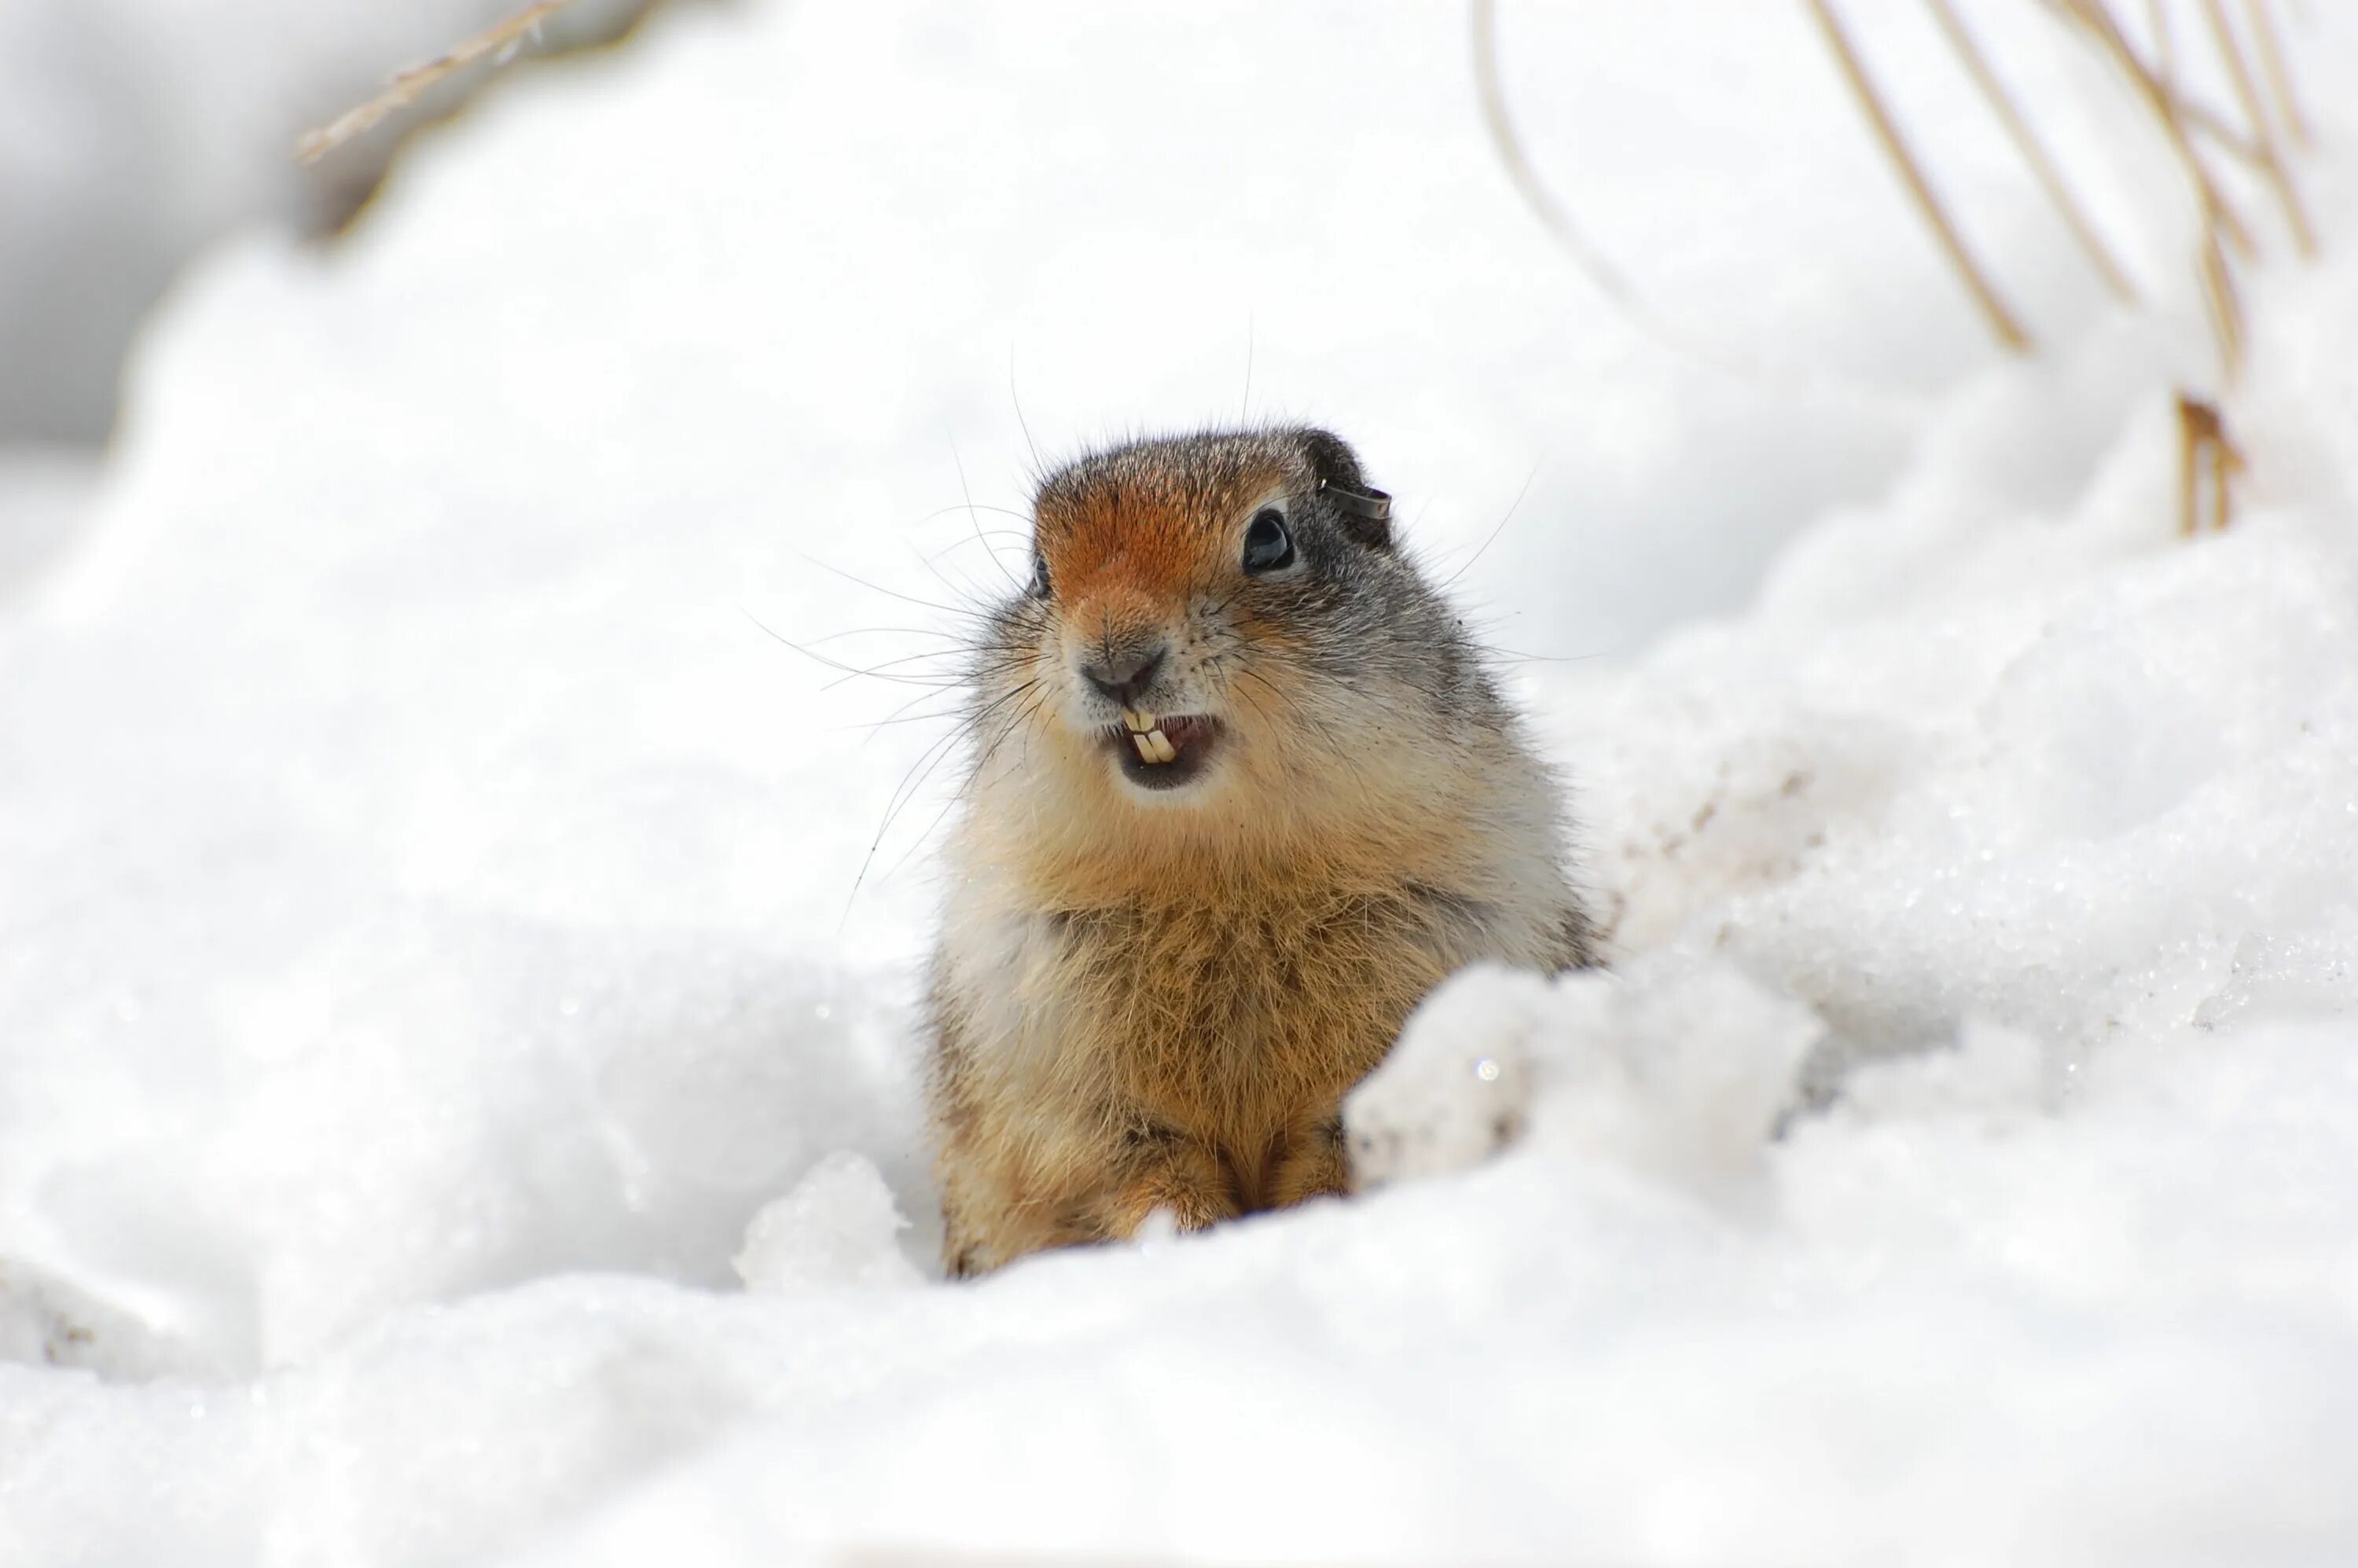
(981, 506)
(940, 576)
(1501, 528)
(839, 664)
(962, 611)
(1013, 722)
(937, 752)
(953, 677)
(890, 719)
(1039, 469)
(884, 631)
(968, 490)
(911, 784)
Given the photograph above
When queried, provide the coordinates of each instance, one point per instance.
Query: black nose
(1123, 675)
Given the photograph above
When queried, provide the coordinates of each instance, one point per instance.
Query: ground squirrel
(1242, 793)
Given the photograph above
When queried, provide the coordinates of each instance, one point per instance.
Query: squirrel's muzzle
(1122, 675)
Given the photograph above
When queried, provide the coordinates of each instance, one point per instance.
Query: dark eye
(1039, 577)
(1267, 545)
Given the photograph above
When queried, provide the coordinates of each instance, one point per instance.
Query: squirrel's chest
(1245, 1010)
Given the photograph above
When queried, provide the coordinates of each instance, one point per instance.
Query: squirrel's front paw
(1183, 1190)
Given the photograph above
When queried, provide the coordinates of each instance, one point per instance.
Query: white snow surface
(133, 132)
(454, 1105)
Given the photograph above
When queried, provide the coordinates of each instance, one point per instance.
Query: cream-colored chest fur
(1225, 1022)
(1143, 1022)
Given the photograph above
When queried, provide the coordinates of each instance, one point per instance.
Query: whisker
(883, 631)
(839, 664)
(874, 724)
(962, 611)
(940, 576)
(1244, 408)
(968, 490)
(1024, 517)
(931, 759)
(1005, 729)
(911, 782)
(1039, 469)
(1511, 656)
(947, 677)
(1501, 528)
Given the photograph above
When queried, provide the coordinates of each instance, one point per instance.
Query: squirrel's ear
(1366, 514)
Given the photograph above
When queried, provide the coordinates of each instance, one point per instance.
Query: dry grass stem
(2165, 42)
(1535, 195)
(2272, 62)
(2002, 321)
(2271, 160)
(2221, 227)
(404, 89)
(2034, 152)
(2222, 136)
(2169, 116)
(2221, 303)
(2204, 453)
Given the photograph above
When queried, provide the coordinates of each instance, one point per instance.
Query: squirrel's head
(1208, 612)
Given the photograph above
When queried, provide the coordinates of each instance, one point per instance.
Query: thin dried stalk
(2165, 42)
(2222, 136)
(2202, 434)
(404, 89)
(2164, 69)
(2220, 301)
(2272, 61)
(2219, 225)
(2197, 117)
(1536, 196)
(2169, 114)
(2272, 163)
(2165, 72)
(1607, 279)
(2002, 321)
(2034, 152)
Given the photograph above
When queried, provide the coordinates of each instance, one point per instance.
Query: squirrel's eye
(1039, 577)
(1268, 545)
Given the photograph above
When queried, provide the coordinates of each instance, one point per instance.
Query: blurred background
(140, 132)
(137, 132)
(1737, 257)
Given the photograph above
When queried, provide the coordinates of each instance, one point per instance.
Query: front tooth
(1145, 745)
(1165, 751)
(1139, 722)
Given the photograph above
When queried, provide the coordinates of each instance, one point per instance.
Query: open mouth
(1160, 751)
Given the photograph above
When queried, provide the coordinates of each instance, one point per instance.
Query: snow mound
(1675, 1070)
(137, 132)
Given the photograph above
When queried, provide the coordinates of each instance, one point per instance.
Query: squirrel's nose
(1123, 677)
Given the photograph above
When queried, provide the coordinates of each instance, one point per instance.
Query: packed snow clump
(458, 1040)
(1677, 1070)
(839, 1225)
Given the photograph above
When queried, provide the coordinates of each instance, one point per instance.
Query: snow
(1680, 1070)
(455, 1106)
(838, 1226)
(44, 490)
(135, 132)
